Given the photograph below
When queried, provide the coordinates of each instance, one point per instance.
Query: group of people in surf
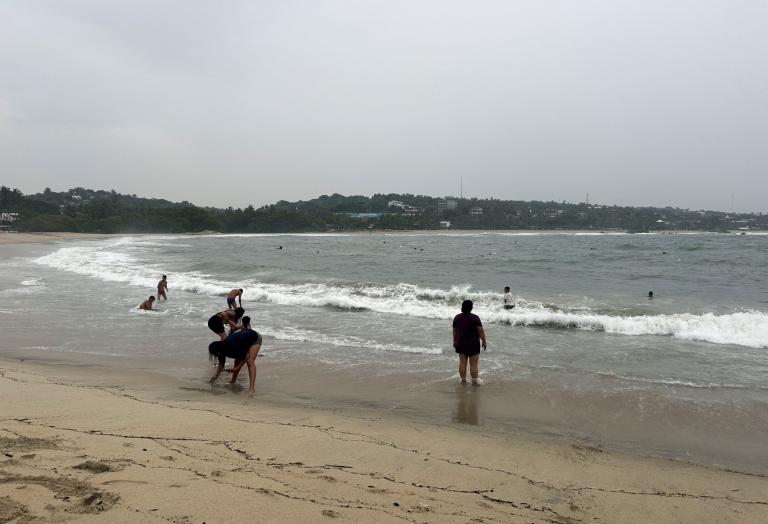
(237, 339)
(162, 287)
(241, 343)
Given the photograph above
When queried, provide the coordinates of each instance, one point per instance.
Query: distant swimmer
(147, 304)
(235, 294)
(650, 294)
(242, 346)
(162, 287)
(228, 317)
(467, 334)
(507, 299)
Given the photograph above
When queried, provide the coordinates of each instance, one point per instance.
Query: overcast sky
(651, 102)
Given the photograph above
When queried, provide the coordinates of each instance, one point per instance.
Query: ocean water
(365, 320)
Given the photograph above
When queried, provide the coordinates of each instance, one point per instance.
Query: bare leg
(473, 367)
(250, 361)
(235, 371)
(463, 367)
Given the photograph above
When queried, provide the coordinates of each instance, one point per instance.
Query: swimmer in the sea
(228, 317)
(235, 294)
(162, 287)
(147, 304)
(507, 299)
(650, 294)
(242, 346)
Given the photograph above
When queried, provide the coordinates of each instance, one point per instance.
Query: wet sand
(83, 444)
(29, 238)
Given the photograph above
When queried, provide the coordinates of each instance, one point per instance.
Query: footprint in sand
(11, 510)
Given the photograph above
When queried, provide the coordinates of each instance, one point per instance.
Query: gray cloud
(231, 103)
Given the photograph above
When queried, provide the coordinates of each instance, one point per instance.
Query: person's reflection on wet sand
(467, 406)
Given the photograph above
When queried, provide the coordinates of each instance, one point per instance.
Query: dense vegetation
(86, 210)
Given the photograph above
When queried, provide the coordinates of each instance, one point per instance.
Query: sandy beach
(31, 238)
(87, 444)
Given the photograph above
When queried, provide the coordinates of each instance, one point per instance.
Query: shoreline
(39, 238)
(138, 446)
(8, 237)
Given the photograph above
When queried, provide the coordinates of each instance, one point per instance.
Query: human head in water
(506, 289)
(246, 321)
(466, 306)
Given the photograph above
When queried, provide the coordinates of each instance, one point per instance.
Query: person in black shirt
(467, 334)
(243, 346)
(227, 317)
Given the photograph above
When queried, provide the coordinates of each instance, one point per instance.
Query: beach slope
(86, 444)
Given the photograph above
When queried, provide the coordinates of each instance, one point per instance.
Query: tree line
(98, 211)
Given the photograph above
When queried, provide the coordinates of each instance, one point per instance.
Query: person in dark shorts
(243, 346)
(235, 294)
(162, 287)
(228, 317)
(467, 335)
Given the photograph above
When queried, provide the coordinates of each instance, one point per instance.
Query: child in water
(508, 299)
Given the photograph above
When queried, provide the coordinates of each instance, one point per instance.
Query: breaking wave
(743, 328)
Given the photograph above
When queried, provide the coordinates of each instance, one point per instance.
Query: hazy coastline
(42, 237)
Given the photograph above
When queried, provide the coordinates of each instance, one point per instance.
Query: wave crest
(745, 328)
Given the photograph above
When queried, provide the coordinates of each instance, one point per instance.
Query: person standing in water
(216, 322)
(507, 299)
(162, 287)
(235, 294)
(468, 333)
(242, 346)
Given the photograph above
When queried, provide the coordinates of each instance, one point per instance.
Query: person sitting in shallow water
(147, 304)
(243, 346)
(230, 317)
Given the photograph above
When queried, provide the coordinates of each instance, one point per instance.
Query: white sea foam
(27, 287)
(674, 382)
(108, 265)
(744, 328)
(302, 335)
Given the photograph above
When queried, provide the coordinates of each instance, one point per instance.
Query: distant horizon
(257, 205)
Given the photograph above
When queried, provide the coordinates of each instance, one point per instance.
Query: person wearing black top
(467, 334)
(228, 317)
(243, 346)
